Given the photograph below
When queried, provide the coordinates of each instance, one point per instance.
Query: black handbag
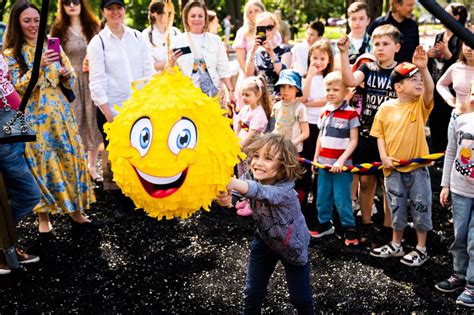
(68, 93)
(13, 125)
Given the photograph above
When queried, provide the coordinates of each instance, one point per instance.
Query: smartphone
(55, 44)
(184, 50)
(261, 34)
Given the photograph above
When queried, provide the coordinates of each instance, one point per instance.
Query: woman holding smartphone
(75, 25)
(118, 55)
(206, 63)
(267, 57)
(155, 33)
(57, 159)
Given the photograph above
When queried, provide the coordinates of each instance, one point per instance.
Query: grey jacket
(280, 223)
(458, 170)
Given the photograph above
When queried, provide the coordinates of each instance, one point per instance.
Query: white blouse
(114, 63)
(159, 49)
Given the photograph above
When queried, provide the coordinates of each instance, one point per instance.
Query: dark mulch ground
(198, 266)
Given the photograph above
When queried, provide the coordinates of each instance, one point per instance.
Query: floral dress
(57, 159)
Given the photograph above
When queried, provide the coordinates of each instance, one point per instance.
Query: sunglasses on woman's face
(69, 2)
(268, 28)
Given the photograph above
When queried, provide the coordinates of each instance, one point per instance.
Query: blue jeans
(410, 191)
(462, 248)
(22, 189)
(335, 189)
(262, 263)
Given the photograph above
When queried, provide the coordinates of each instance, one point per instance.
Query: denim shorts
(410, 190)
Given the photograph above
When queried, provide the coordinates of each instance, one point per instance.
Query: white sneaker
(359, 213)
(414, 258)
(387, 251)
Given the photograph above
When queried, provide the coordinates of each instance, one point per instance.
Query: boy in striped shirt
(337, 140)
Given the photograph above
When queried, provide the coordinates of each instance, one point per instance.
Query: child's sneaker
(351, 237)
(322, 230)
(452, 284)
(24, 258)
(243, 208)
(414, 258)
(388, 250)
(467, 296)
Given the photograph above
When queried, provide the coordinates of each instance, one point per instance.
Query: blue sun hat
(290, 77)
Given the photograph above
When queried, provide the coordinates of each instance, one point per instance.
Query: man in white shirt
(314, 32)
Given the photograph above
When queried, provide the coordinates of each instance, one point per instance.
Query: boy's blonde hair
(387, 30)
(282, 148)
(334, 77)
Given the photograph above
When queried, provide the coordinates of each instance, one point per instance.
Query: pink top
(246, 42)
(6, 87)
(255, 119)
(243, 41)
(461, 76)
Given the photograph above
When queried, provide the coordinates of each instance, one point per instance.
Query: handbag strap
(38, 53)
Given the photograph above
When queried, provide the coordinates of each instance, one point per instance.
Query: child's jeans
(22, 189)
(410, 190)
(262, 263)
(335, 189)
(462, 248)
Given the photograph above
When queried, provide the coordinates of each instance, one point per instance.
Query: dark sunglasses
(268, 28)
(69, 2)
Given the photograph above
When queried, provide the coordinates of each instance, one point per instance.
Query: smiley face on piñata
(171, 148)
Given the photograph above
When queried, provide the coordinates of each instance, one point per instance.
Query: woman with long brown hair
(75, 25)
(57, 159)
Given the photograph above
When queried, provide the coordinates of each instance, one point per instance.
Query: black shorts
(366, 151)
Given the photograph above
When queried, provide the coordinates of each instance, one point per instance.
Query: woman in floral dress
(57, 159)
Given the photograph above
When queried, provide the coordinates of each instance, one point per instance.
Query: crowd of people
(368, 98)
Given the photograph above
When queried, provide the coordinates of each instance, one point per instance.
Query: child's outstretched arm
(350, 79)
(420, 59)
(224, 198)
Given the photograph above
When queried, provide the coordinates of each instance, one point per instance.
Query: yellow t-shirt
(402, 126)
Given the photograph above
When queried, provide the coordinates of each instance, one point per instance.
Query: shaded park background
(297, 12)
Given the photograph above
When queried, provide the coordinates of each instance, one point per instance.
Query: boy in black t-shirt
(377, 88)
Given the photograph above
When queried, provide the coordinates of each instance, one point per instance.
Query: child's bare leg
(44, 225)
(367, 192)
(387, 217)
(355, 186)
(421, 236)
(397, 237)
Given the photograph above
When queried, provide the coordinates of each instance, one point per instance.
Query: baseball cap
(290, 77)
(106, 3)
(404, 70)
(366, 57)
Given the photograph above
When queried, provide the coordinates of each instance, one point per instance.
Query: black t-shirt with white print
(378, 89)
